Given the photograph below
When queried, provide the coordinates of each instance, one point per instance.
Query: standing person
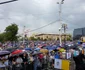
(13, 64)
(30, 62)
(39, 64)
(35, 62)
(19, 61)
(79, 61)
(25, 61)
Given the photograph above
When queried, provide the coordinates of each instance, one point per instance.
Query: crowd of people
(27, 62)
(41, 56)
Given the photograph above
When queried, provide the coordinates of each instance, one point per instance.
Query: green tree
(11, 32)
(2, 37)
(57, 38)
(38, 38)
(49, 39)
(32, 38)
(68, 39)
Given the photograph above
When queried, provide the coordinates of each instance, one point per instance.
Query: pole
(64, 34)
(60, 37)
(60, 30)
(23, 34)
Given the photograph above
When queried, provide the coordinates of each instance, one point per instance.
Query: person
(25, 61)
(35, 62)
(13, 64)
(39, 64)
(30, 62)
(2, 65)
(19, 61)
(78, 58)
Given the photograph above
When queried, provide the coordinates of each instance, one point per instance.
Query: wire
(7, 2)
(43, 26)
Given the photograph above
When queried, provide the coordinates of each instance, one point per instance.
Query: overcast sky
(37, 13)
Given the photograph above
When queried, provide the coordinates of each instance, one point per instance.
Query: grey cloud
(34, 14)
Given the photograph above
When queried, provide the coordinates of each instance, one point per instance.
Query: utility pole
(64, 26)
(7, 2)
(60, 29)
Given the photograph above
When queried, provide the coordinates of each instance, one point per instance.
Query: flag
(58, 64)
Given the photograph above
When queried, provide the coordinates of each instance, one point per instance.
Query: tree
(49, 39)
(38, 38)
(11, 32)
(2, 37)
(69, 39)
(57, 38)
(32, 38)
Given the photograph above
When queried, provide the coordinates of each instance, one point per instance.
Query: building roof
(51, 34)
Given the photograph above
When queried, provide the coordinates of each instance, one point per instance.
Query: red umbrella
(16, 52)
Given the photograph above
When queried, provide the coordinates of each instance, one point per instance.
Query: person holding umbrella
(78, 58)
(19, 61)
(25, 60)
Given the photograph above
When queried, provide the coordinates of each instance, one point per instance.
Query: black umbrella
(11, 49)
(4, 53)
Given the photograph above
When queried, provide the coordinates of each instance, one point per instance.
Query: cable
(7, 2)
(43, 26)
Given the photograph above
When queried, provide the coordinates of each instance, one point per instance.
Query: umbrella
(62, 50)
(44, 51)
(36, 53)
(37, 49)
(51, 48)
(11, 49)
(17, 52)
(4, 53)
(28, 49)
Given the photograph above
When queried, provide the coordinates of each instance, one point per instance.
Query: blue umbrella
(51, 48)
(28, 49)
(37, 49)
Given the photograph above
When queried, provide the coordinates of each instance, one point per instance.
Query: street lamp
(60, 29)
(64, 27)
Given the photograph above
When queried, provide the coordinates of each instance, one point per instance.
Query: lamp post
(60, 11)
(64, 27)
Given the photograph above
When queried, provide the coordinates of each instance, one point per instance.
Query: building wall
(78, 33)
(51, 36)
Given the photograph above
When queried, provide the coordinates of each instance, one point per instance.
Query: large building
(52, 36)
(78, 33)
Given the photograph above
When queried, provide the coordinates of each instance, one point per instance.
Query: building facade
(78, 33)
(52, 36)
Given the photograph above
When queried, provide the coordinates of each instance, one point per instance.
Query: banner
(62, 64)
(68, 55)
(65, 65)
(58, 64)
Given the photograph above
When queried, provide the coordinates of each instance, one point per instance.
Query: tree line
(10, 33)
